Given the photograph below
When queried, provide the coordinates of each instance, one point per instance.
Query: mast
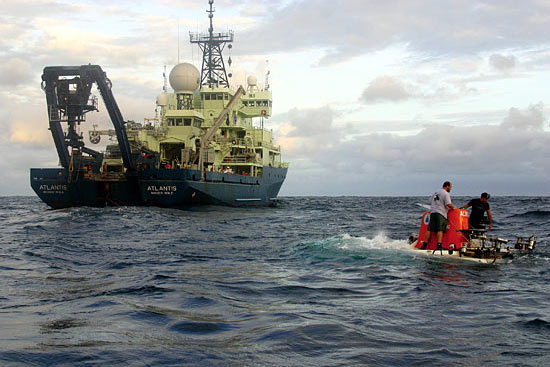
(213, 73)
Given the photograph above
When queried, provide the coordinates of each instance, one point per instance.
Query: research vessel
(206, 145)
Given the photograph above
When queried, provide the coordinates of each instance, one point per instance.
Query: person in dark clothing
(479, 207)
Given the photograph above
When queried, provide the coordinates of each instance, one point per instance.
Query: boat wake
(345, 248)
(378, 242)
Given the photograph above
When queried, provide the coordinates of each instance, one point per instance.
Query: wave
(538, 325)
(533, 214)
(346, 247)
(198, 327)
(378, 242)
(347, 242)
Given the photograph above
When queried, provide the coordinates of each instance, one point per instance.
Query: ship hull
(162, 187)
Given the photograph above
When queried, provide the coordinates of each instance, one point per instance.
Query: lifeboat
(461, 242)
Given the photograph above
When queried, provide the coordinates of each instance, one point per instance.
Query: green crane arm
(209, 135)
(221, 118)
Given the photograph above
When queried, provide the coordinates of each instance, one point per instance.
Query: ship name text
(54, 189)
(161, 190)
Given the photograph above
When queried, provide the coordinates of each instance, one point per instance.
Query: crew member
(440, 204)
(479, 207)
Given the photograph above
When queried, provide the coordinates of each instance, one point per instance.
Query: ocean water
(314, 281)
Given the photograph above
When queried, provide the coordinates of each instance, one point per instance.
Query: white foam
(378, 242)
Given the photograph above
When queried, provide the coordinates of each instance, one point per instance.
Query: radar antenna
(164, 87)
(266, 84)
(213, 71)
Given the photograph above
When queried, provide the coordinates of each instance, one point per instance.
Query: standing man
(479, 207)
(440, 204)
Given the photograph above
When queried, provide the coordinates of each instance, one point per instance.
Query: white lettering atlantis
(53, 187)
(165, 188)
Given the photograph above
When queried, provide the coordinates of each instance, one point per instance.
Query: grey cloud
(385, 88)
(502, 63)
(353, 27)
(15, 71)
(15, 164)
(245, 7)
(530, 119)
(30, 8)
(254, 8)
(311, 122)
(512, 161)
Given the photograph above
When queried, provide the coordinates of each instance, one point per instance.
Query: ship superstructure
(202, 147)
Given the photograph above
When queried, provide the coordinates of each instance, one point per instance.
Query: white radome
(184, 78)
(251, 81)
(162, 99)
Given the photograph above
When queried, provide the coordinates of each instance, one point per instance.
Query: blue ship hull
(156, 187)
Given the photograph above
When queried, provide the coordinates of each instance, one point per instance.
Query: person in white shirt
(440, 204)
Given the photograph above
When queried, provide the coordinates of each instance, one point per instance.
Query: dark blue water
(311, 282)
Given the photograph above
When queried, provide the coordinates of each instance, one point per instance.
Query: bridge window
(187, 122)
(245, 103)
(179, 122)
(251, 103)
(207, 96)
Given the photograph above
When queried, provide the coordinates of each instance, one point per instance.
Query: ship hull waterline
(156, 187)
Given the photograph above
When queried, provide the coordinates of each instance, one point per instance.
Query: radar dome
(184, 78)
(162, 99)
(251, 81)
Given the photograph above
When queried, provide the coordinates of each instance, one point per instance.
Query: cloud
(29, 8)
(15, 71)
(311, 122)
(65, 42)
(475, 155)
(309, 131)
(385, 88)
(346, 29)
(502, 63)
(531, 119)
(433, 57)
(29, 126)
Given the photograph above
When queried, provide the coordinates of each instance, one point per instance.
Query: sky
(369, 97)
